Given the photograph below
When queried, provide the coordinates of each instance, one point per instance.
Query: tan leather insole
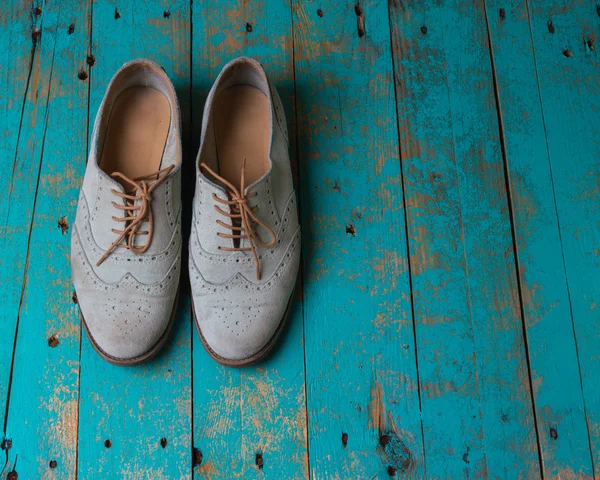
(242, 126)
(137, 133)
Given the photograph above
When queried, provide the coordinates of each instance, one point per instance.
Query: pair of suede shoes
(244, 246)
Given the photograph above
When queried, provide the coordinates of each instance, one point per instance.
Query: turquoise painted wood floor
(448, 170)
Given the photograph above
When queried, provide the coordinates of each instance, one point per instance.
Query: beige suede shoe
(126, 239)
(245, 239)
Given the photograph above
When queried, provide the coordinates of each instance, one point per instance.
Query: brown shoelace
(142, 188)
(241, 212)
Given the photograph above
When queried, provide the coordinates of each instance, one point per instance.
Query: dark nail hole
(71, 28)
(567, 53)
(248, 27)
(62, 222)
(163, 442)
(360, 20)
(74, 298)
(391, 471)
(166, 14)
(53, 341)
(590, 44)
(424, 30)
(117, 14)
(384, 440)
(13, 475)
(196, 457)
(344, 439)
(52, 464)
(6, 444)
(37, 11)
(91, 60)
(320, 12)
(82, 75)
(107, 443)
(351, 230)
(550, 26)
(259, 460)
(502, 13)
(553, 433)
(465, 456)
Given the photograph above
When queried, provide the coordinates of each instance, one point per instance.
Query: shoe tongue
(235, 222)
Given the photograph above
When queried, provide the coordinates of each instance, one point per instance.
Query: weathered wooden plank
(564, 102)
(567, 66)
(258, 410)
(362, 383)
(43, 406)
(477, 413)
(135, 408)
(136, 422)
(564, 442)
(20, 104)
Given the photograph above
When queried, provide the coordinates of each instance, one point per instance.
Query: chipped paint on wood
(333, 62)
(19, 164)
(358, 379)
(43, 408)
(543, 99)
(137, 407)
(239, 414)
(472, 363)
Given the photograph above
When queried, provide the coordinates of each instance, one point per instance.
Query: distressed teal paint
(22, 80)
(361, 361)
(43, 408)
(135, 407)
(260, 409)
(552, 345)
(570, 101)
(360, 358)
(477, 412)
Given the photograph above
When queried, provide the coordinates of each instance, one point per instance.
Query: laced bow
(241, 212)
(142, 188)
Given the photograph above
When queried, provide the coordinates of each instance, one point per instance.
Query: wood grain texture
(22, 106)
(566, 65)
(41, 418)
(570, 95)
(360, 359)
(135, 408)
(260, 410)
(477, 414)
(447, 322)
(559, 402)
